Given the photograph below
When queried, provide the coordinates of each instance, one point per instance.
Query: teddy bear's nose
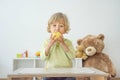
(90, 51)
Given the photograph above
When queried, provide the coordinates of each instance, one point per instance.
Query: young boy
(58, 51)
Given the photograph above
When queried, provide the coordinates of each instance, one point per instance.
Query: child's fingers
(51, 37)
(54, 37)
(60, 39)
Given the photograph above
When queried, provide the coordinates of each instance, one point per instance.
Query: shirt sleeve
(43, 56)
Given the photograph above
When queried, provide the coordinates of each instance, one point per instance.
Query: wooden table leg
(77, 78)
(9, 78)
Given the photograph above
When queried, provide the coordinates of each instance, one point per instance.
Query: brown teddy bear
(93, 46)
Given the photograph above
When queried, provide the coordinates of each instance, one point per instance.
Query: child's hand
(61, 39)
(52, 40)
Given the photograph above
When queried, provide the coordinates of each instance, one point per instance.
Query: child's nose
(57, 28)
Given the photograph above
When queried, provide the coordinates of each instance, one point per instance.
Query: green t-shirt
(57, 57)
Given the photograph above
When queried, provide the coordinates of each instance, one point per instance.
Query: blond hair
(57, 17)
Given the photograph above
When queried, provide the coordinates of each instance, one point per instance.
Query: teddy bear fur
(80, 52)
(99, 59)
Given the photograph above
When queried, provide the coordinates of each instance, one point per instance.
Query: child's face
(57, 27)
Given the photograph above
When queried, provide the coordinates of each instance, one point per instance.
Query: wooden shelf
(27, 63)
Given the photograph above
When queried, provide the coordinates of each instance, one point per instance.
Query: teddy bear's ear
(101, 36)
(79, 41)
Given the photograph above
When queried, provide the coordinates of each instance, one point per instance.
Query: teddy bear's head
(92, 44)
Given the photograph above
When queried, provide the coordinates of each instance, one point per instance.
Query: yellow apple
(56, 35)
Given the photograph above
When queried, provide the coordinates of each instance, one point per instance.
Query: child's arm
(50, 43)
(65, 47)
(68, 47)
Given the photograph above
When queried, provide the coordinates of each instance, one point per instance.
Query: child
(58, 51)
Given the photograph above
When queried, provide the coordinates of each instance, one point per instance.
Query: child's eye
(61, 25)
(54, 25)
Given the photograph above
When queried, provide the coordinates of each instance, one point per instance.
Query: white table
(56, 72)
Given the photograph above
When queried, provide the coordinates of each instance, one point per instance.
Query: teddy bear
(93, 46)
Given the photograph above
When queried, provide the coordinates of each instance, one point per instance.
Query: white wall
(23, 25)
